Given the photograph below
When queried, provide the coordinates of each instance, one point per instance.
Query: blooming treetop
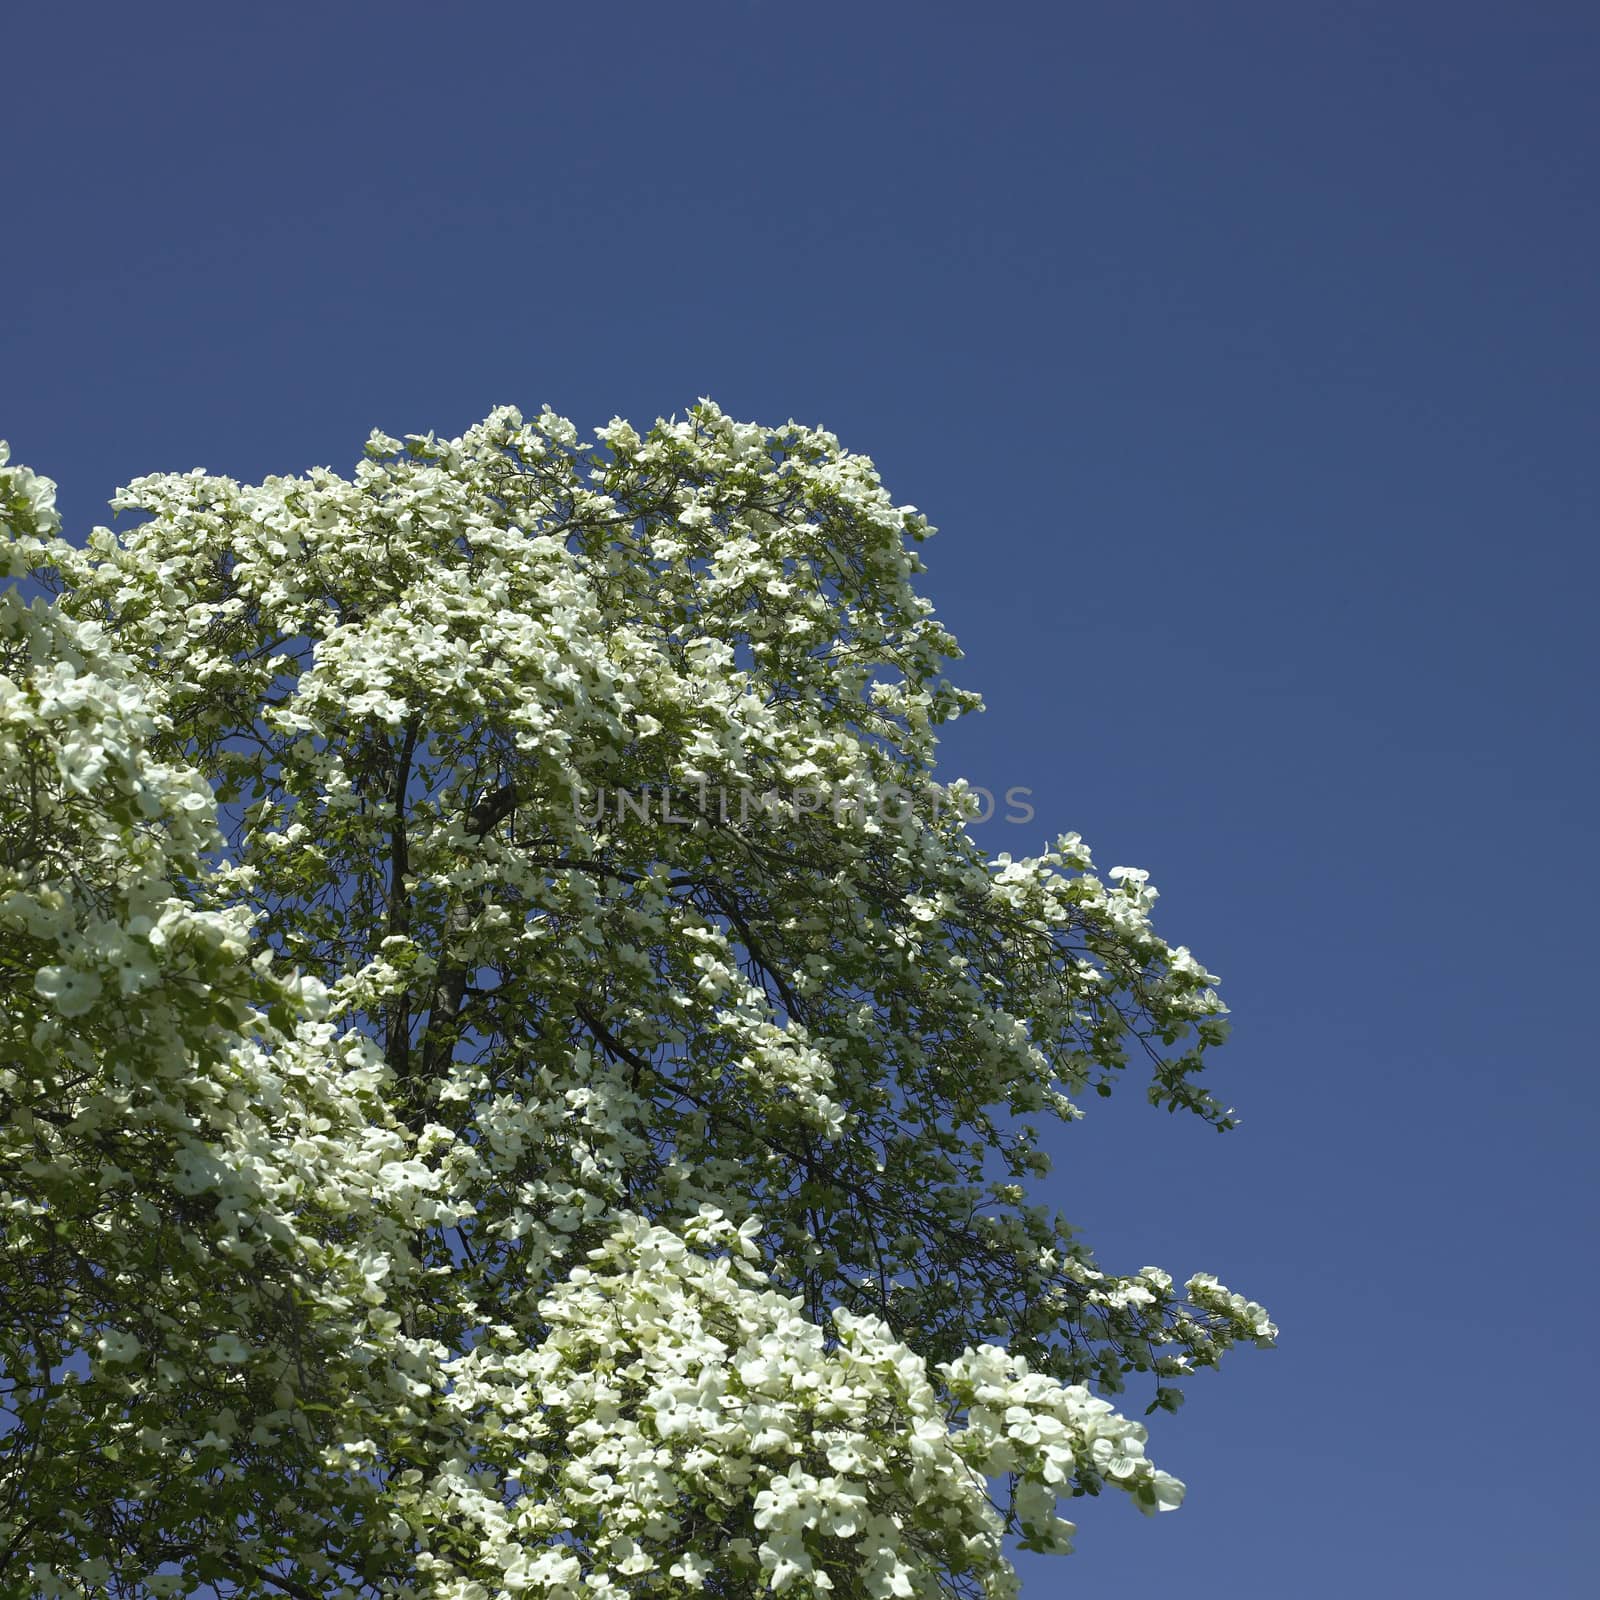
(423, 1182)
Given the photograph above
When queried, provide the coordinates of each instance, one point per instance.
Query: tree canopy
(518, 1080)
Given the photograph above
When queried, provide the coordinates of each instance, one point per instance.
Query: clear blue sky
(1246, 356)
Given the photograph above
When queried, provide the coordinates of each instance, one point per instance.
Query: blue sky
(1246, 356)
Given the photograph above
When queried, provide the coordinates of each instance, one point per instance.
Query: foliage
(521, 1082)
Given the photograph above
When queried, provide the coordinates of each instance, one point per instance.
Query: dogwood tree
(517, 1081)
